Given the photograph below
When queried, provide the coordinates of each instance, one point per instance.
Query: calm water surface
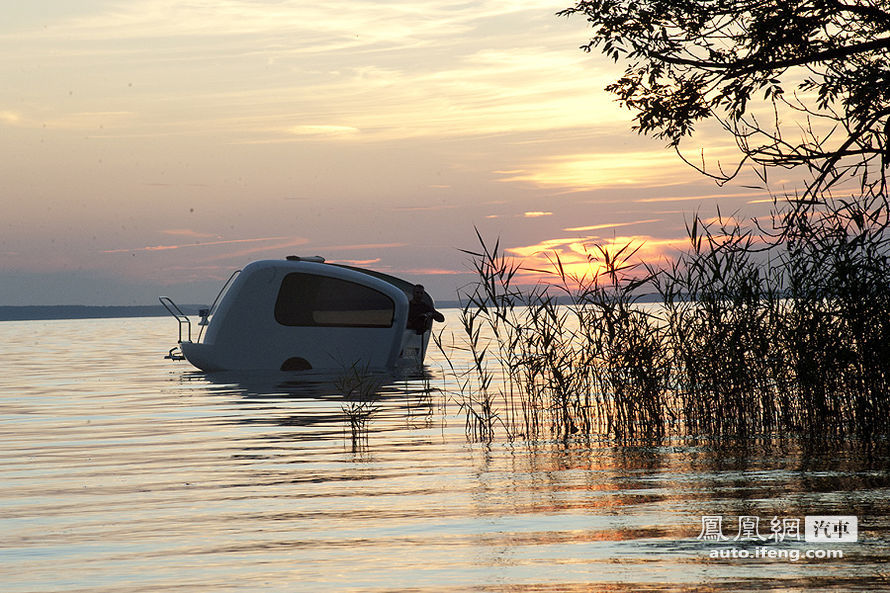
(122, 471)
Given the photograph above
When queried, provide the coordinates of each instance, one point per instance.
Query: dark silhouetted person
(421, 312)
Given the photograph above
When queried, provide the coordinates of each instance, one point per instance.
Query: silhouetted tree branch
(795, 82)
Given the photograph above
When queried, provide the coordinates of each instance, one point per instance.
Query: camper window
(308, 300)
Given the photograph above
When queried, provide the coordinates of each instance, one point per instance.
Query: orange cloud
(609, 225)
(354, 262)
(10, 117)
(580, 257)
(582, 172)
(706, 197)
(575, 244)
(433, 272)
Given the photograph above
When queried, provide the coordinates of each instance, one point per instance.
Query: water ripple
(121, 472)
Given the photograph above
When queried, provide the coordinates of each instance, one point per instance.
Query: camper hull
(305, 315)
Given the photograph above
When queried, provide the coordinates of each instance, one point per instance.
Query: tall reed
(596, 364)
(762, 329)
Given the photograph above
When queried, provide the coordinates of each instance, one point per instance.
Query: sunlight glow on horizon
(582, 258)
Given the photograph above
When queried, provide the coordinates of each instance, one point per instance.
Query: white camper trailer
(301, 313)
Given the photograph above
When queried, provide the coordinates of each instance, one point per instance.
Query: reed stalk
(762, 329)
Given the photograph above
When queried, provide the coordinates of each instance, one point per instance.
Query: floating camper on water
(301, 313)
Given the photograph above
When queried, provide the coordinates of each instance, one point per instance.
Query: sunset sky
(152, 146)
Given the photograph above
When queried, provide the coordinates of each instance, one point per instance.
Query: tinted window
(310, 301)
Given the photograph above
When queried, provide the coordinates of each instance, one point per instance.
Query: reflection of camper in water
(421, 312)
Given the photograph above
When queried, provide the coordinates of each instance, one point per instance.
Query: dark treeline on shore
(39, 312)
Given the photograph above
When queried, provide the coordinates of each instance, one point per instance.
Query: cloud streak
(195, 244)
(692, 198)
(296, 70)
(610, 225)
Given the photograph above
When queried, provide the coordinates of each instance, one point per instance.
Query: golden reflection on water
(123, 472)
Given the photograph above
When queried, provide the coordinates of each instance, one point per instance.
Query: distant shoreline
(43, 312)
(46, 312)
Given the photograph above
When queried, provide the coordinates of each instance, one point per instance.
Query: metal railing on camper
(181, 317)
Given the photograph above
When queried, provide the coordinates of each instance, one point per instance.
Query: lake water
(121, 471)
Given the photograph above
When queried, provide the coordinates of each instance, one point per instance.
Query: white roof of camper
(317, 264)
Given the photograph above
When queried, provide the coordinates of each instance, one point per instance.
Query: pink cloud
(197, 244)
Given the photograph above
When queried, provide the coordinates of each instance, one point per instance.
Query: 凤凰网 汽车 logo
(750, 528)
(784, 533)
